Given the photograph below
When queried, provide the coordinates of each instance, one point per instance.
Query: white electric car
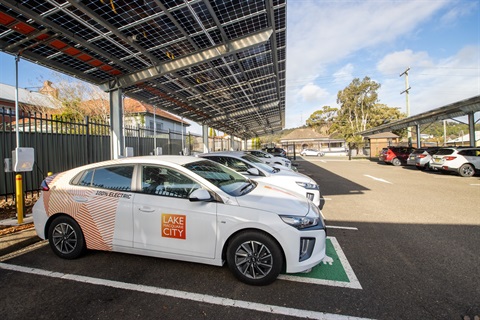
(254, 168)
(184, 208)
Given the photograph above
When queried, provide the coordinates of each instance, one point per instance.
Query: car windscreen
(222, 177)
(258, 163)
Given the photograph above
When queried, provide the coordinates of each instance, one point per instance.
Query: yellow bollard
(19, 197)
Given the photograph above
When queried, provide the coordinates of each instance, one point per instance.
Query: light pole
(407, 88)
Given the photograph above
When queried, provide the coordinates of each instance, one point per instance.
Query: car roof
(223, 153)
(167, 159)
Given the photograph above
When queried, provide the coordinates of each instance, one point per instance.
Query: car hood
(292, 174)
(275, 199)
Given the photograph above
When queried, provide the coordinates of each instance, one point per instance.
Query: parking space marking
(377, 179)
(198, 297)
(337, 273)
(341, 227)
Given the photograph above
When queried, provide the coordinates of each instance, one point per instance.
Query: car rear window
(444, 152)
(113, 178)
(419, 151)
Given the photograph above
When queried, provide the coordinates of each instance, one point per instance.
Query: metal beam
(453, 110)
(203, 56)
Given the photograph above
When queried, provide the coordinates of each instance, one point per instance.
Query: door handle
(146, 209)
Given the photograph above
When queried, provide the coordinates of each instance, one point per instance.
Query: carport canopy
(467, 107)
(220, 63)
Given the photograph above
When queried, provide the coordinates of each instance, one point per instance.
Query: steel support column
(205, 138)
(117, 143)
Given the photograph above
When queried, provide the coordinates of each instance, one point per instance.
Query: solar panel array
(217, 62)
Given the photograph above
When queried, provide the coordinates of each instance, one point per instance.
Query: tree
(382, 114)
(360, 110)
(322, 119)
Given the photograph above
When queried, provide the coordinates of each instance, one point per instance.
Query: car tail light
(421, 156)
(449, 158)
(44, 186)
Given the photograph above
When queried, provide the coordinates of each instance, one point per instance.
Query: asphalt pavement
(17, 240)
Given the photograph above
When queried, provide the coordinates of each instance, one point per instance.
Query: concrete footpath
(19, 239)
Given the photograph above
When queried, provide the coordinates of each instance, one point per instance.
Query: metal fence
(61, 145)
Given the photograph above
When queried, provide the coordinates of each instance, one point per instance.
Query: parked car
(396, 155)
(270, 159)
(422, 160)
(254, 168)
(277, 152)
(312, 152)
(463, 160)
(182, 208)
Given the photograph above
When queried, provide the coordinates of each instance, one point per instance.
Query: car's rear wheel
(66, 238)
(396, 162)
(466, 170)
(254, 258)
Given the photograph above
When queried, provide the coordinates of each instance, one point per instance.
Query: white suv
(463, 160)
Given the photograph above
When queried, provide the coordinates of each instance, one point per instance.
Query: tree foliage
(322, 119)
(360, 110)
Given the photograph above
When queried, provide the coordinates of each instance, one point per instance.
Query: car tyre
(396, 162)
(254, 258)
(466, 170)
(66, 238)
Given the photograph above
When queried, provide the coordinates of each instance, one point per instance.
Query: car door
(165, 220)
(472, 156)
(103, 199)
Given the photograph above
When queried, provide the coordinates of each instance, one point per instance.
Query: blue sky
(331, 42)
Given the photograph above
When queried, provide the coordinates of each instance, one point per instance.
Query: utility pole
(407, 88)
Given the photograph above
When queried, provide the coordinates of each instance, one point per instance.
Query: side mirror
(253, 171)
(200, 195)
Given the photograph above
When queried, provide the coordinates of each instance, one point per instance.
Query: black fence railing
(61, 145)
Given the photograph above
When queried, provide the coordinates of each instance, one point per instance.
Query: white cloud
(312, 93)
(459, 11)
(433, 83)
(320, 32)
(344, 73)
(400, 60)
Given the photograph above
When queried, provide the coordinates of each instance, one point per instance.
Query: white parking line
(341, 227)
(198, 297)
(352, 278)
(377, 179)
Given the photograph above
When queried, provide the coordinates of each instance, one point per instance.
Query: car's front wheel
(254, 258)
(66, 238)
(466, 170)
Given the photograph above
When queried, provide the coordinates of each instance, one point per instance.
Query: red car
(395, 155)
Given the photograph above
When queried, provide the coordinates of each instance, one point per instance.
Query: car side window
(166, 182)
(112, 178)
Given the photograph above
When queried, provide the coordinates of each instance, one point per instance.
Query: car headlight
(300, 222)
(307, 185)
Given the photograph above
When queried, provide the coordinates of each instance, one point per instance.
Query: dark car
(277, 152)
(396, 155)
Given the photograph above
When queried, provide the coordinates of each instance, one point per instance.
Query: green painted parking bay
(333, 271)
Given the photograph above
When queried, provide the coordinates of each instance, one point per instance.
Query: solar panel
(216, 62)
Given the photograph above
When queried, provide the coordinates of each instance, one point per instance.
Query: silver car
(422, 158)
